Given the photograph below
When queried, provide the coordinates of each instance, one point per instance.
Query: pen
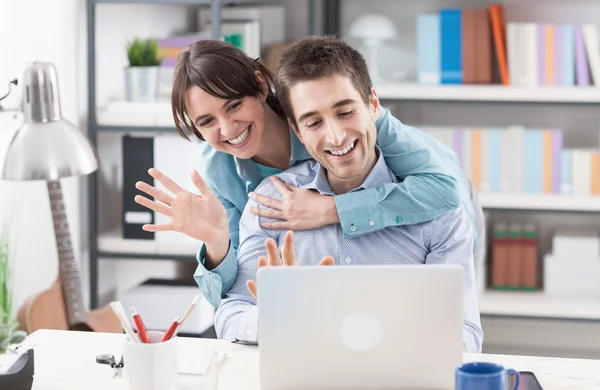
(171, 330)
(139, 324)
(187, 312)
(117, 309)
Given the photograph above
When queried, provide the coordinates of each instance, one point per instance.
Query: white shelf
(490, 93)
(538, 304)
(113, 242)
(511, 201)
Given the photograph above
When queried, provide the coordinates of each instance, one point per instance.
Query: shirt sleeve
(426, 190)
(237, 316)
(215, 283)
(450, 241)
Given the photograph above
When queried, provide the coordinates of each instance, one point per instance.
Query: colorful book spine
(428, 48)
(581, 62)
(451, 51)
(557, 145)
(568, 55)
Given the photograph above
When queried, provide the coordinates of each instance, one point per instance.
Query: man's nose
(335, 134)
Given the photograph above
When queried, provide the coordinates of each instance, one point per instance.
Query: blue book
(451, 46)
(566, 164)
(428, 49)
(495, 159)
(533, 149)
(568, 55)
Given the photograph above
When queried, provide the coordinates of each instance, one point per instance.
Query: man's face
(336, 126)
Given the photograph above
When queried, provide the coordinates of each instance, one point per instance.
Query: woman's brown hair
(221, 70)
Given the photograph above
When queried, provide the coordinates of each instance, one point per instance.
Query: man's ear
(291, 123)
(264, 85)
(374, 104)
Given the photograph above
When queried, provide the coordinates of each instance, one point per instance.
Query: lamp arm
(15, 82)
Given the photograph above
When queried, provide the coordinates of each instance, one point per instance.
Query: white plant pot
(141, 83)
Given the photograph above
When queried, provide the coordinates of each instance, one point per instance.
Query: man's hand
(273, 258)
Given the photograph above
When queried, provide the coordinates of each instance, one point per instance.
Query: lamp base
(20, 375)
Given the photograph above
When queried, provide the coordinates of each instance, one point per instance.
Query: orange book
(499, 36)
(476, 159)
(547, 179)
(549, 49)
(595, 173)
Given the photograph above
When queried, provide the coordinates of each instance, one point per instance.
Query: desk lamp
(47, 147)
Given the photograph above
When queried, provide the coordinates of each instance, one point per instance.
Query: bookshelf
(487, 93)
(511, 201)
(538, 305)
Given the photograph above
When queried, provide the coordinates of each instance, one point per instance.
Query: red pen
(171, 330)
(139, 324)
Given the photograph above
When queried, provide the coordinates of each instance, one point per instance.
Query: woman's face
(232, 126)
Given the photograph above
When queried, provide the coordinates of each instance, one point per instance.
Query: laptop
(360, 327)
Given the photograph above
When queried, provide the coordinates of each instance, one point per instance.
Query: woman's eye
(235, 106)
(206, 123)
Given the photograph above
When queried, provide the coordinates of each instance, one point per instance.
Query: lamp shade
(45, 146)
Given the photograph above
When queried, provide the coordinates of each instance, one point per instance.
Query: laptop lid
(359, 327)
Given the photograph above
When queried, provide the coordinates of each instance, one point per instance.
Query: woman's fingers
(164, 180)
(158, 207)
(267, 213)
(280, 185)
(167, 227)
(200, 183)
(271, 203)
(154, 192)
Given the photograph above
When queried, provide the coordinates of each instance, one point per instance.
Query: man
(325, 89)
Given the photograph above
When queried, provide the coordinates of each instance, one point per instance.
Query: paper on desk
(196, 362)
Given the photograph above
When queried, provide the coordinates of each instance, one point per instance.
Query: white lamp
(373, 30)
(47, 147)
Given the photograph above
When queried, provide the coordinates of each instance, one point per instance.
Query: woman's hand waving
(202, 217)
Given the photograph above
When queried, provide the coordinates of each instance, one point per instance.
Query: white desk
(66, 360)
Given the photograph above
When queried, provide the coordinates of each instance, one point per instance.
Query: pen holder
(150, 366)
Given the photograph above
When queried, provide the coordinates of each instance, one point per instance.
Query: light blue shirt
(432, 184)
(447, 239)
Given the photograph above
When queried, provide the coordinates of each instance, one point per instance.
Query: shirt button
(398, 219)
(348, 260)
(353, 228)
(371, 222)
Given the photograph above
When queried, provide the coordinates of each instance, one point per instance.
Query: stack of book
(514, 257)
(516, 159)
(573, 266)
(477, 46)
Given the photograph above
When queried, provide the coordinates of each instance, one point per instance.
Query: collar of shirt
(247, 169)
(380, 174)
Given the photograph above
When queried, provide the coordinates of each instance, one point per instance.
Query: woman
(225, 99)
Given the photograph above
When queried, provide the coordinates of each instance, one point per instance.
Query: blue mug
(484, 376)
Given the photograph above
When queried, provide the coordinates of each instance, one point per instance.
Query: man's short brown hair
(315, 57)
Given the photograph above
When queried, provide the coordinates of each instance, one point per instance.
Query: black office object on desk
(20, 375)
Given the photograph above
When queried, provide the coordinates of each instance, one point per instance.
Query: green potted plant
(142, 73)
(8, 322)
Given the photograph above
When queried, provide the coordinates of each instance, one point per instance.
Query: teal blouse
(432, 183)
